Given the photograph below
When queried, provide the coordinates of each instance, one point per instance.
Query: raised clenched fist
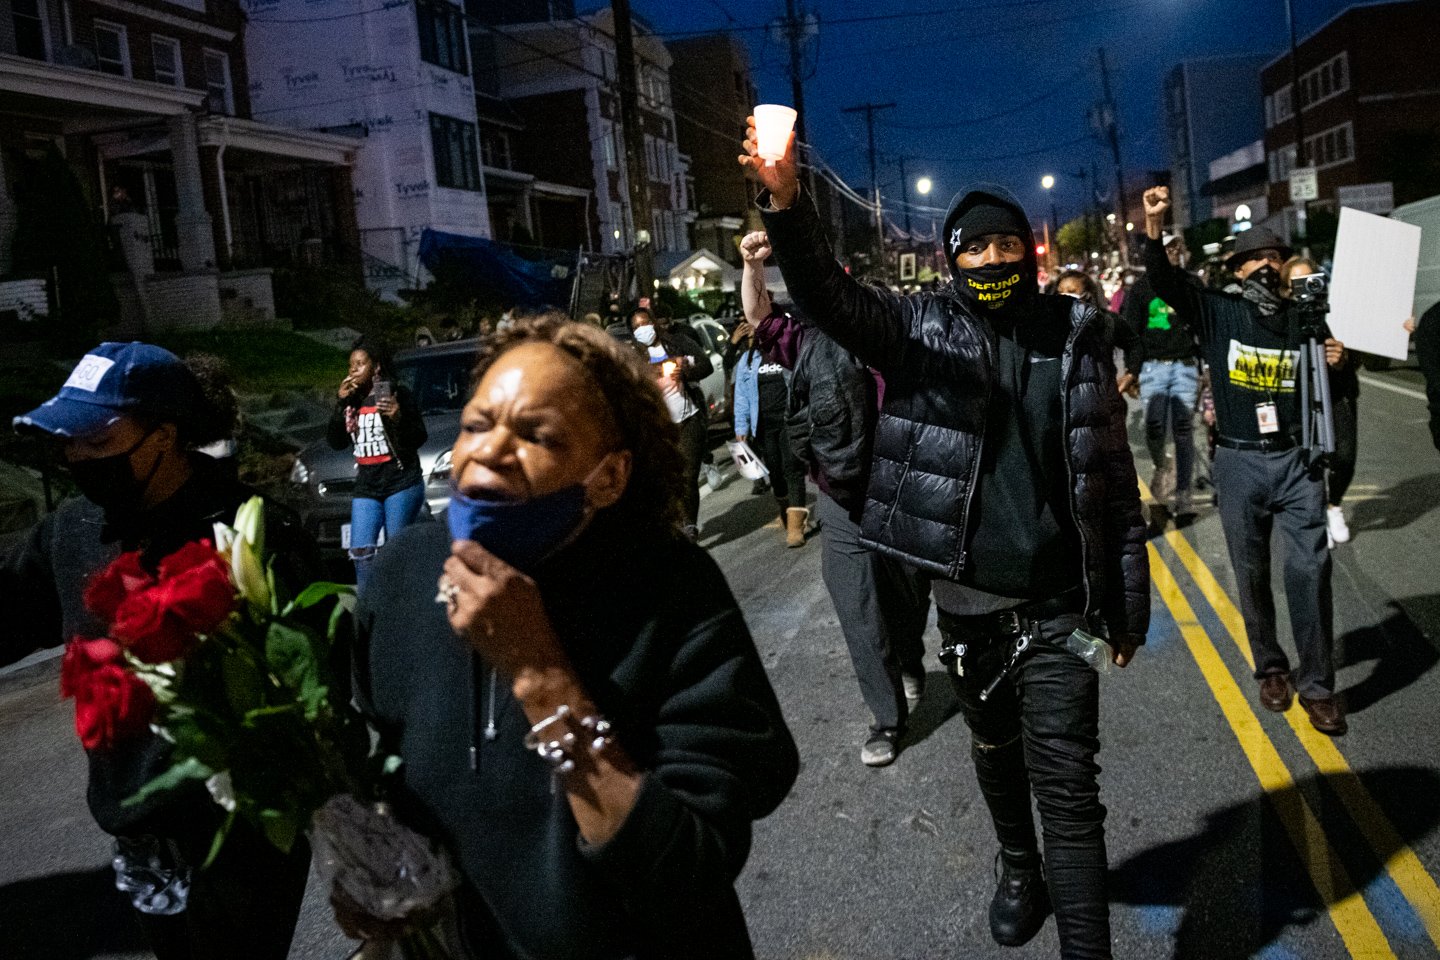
(755, 247)
(1157, 201)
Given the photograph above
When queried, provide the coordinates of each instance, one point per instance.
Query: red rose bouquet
(210, 653)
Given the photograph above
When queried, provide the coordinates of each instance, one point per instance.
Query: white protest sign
(1373, 287)
(749, 465)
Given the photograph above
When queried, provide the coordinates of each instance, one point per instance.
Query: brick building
(147, 103)
(714, 93)
(1370, 100)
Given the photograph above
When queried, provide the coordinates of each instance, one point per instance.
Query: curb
(39, 667)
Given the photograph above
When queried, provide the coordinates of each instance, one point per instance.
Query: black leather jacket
(937, 359)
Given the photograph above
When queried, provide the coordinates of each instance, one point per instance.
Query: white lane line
(1392, 387)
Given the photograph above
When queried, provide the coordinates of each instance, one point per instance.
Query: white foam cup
(773, 123)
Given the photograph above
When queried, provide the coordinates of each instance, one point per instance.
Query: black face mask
(110, 482)
(1267, 276)
(995, 286)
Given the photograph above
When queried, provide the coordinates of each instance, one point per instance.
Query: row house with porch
(145, 104)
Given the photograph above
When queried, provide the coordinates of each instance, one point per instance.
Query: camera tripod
(1317, 418)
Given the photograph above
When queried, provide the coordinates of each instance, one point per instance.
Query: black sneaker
(1021, 903)
(881, 748)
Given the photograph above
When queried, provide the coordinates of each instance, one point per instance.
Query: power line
(1054, 91)
(871, 18)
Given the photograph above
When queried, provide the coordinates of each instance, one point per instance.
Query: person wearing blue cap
(126, 425)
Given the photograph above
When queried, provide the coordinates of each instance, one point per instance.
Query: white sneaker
(1335, 523)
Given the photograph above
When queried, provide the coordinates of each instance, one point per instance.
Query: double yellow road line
(1347, 908)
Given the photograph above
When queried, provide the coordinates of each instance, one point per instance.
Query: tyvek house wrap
(328, 64)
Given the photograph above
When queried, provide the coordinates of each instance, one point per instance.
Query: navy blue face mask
(521, 532)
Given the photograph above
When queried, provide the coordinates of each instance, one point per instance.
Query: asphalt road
(1232, 832)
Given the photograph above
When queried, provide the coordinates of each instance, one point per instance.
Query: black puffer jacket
(937, 359)
(831, 418)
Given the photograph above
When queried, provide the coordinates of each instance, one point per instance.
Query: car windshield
(439, 382)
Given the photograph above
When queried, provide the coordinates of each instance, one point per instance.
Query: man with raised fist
(1263, 476)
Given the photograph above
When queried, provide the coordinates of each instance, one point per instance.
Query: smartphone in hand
(383, 390)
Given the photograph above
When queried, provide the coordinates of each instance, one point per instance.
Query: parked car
(713, 338)
(323, 479)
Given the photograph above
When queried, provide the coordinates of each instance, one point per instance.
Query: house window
(28, 16)
(495, 149)
(165, 53)
(612, 153)
(442, 35)
(456, 158)
(112, 49)
(1269, 111)
(1342, 82)
(217, 82)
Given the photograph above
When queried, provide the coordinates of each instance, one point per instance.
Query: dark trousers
(787, 472)
(1347, 444)
(1040, 732)
(694, 440)
(1258, 492)
(882, 605)
(244, 907)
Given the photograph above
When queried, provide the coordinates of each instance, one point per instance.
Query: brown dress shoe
(1326, 715)
(1275, 693)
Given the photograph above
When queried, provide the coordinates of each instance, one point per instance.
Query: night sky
(986, 79)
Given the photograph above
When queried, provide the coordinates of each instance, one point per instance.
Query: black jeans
(1039, 732)
(787, 472)
(694, 441)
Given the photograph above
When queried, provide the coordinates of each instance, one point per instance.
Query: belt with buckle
(1017, 623)
(1266, 445)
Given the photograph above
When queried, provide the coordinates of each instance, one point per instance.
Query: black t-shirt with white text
(386, 458)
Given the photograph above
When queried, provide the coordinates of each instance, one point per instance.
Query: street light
(923, 186)
(1053, 229)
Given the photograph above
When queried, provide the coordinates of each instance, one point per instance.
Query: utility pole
(1112, 126)
(1302, 212)
(869, 110)
(794, 28)
(637, 174)
(905, 195)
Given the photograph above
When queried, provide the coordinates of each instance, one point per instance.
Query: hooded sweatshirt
(1024, 542)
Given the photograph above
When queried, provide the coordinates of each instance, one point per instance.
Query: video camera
(1310, 288)
(1311, 294)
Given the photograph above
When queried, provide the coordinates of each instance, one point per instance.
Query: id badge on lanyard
(1267, 416)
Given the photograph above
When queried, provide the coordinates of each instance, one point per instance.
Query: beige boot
(795, 519)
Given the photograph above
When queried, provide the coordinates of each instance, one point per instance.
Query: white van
(1425, 214)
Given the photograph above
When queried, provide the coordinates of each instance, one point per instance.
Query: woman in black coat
(582, 714)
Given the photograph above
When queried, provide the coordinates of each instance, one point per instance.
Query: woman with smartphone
(382, 422)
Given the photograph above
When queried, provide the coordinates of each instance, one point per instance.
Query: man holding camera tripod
(1264, 475)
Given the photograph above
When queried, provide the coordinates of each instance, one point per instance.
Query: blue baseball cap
(113, 380)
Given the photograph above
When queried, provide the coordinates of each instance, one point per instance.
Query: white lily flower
(246, 552)
(224, 537)
(222, 790)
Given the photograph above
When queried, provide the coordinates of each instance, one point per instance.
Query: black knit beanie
(985, 216)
